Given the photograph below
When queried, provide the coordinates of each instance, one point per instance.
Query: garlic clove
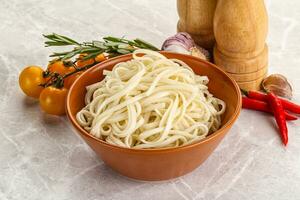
(183, 43)
(182, 39)
(200, 53)
(279, 85)
(185, 39)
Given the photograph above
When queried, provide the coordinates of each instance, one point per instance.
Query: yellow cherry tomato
(101, 57)
(30, 79)
(82, 63)
(60, 67)
(68, 82)
(52, 100)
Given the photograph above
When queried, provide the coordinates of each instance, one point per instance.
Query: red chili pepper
(278, 111)
(254, 104)
(290, 106)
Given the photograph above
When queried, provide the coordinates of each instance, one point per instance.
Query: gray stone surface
(42, 158)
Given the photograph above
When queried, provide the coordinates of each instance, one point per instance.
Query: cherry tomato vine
(51, 86)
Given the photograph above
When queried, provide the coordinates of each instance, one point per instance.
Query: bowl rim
(157, 150)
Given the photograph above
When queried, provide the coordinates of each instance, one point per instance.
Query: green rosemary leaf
(123, 46)
(87, 43)
(113, 44)
(131, 43)
(92, 55)
(54, 55)
(59, 40)
(112, 51)
(71, 54)
(120, 40)
(99, 44)
(53, 38)
(58, 57)
(68, 56)
(112, 39)
(50, 36)
(60, 53)
(52, 43)
(65, 39)
(89, 50)
(146, 44)
(123, 51)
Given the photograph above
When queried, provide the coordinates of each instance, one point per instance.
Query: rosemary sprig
(59, 40)
(112, 45)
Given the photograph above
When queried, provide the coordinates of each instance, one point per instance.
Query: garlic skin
(183, 43)
(177, 49)
(279, 85)
(200, 53)
(182, 39)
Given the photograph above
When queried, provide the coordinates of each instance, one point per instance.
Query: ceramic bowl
(158, 164)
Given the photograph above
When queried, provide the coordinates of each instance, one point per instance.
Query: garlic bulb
(279, 85)
(183, 43)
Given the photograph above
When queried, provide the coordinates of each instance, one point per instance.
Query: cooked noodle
(150, 102)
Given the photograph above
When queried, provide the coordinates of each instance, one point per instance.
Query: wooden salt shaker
(196, 18)
(240, 28)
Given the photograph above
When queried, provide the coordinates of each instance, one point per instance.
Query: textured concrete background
(42, 158)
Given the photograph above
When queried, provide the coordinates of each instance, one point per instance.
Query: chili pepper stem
(245, 92)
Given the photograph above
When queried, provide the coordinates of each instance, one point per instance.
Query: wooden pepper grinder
(196, 18)
(240, 28)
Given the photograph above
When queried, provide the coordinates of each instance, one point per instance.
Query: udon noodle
(150, 102)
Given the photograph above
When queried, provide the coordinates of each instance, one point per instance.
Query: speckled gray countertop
(41, 157)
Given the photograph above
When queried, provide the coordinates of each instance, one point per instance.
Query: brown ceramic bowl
(158, 164)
